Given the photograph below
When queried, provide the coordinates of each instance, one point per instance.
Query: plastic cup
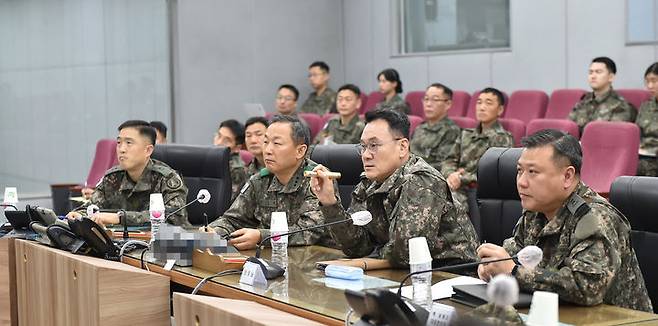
(543, 309)
(419, 252)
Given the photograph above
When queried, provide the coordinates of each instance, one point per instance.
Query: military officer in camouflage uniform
(280, 187)
(231, 134)
(129, 185)
(461, 164)
(391, 86)
(647, 120)
(322, 100)
(406, 196)
(434, 138)
(286, 100)
(588, 258)
(254, 133)
(345, 128)
(603, 103)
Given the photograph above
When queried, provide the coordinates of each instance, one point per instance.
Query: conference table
(307, 293)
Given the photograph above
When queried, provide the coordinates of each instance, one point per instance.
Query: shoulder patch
(264, 172)
(244, 188)
(586, 227)
(113, 169)
(577, 206)
(174, 182)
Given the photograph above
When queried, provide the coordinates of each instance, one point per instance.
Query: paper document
(443, 289)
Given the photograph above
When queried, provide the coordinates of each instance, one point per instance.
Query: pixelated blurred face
(381, 151)
(435, 104)
(285, 101)
(254, 135)
(347, 103)
(225, 137)
(317, 77)
(279, 150)
(540, 180)
(488, 108)
(599, 76)
(651, 81)
(386, 87)
(133, 149)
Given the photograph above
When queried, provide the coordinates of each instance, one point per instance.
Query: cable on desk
(348, 316)
(222, 273)
(141, 259)
(132, 242)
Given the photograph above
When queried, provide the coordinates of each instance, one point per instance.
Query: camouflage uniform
(253, 167)
(320, 104)
(466, 153)
(588, 258)
(339, 133)
(647, 120)
(610, 107)
(238, 174)
(433, 142)
(414, 201)
(264, 194)
(117, 191)
(396, 103)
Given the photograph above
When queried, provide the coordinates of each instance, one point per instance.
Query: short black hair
(236, 128)
(143, 127)
(653, 69)
(496, 92)
(350, 87)
(299, 131)
(290, 88)
(565, 146)
(255, 120)
(159, 126)
(392, 75)
(398, 123)
(320, 64)
(612, 67)
(446, 90)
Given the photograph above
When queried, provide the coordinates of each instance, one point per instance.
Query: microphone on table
(529, 257)
(203, 197)
(272, 271)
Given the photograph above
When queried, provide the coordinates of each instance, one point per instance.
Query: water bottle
(279, 224)
(156, 213)
(420, 259)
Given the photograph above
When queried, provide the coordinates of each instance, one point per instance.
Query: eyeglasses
(285, 98)
(372, 147)
(435, 99)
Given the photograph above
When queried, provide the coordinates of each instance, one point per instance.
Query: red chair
(562, 102)
(609, 151)
(526, 105)
(246, 156)
(269, 115)
(374, 98)
(565, 125)
(460, 100)
(326, 117)
(634, 96)
(314, 122)
(414, 122)
(415, 100)
(464, 122)
(473, 103)
(515, 127)
(104, 158)
(364, 102)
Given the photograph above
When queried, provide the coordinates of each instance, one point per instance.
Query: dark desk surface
(299, 294)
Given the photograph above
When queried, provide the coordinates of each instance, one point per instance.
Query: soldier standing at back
(603, 103)
(129, 185)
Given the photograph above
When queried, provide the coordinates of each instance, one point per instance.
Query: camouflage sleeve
(515, 243)
(624, 112)
(174, 194)
(240, 214)
(579, 116)
(500, 140)
(354, 241)
(97, 198)
(238, 179)
(451, 163)
(646, 120)
(587, 272)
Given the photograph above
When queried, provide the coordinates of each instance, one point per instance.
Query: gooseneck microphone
(203, 197)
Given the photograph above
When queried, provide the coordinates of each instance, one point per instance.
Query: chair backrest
(470, 112)
(364, 103)
(314, 121)
(562, 102)
(464, 122)
(609, 150)
(202, 167)
(498, 198)
(526, 105)
(460, 100)
(415, 101)
(246, 156)
(634, 96)
(414, 122)
(373, 98)
(565, 125)
(104, 158)
(515, 127)
(343, 158)
(644, 243)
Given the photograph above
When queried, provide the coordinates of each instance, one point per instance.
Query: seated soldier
(345, 128)
(603, 103)
(254, 132)
(434, 138)
(322, 100)
(129, 185)
(647, 120)
(231, 134)
(407, 198)
(160, 132)
(390, 86)
(588, 258)
(280, 187)
(286, 100)
(461, 164)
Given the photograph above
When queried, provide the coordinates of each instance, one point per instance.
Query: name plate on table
(252, 274)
